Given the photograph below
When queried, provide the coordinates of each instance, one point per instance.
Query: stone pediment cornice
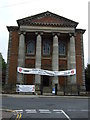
(12, 28)
(47, 19)
(80, 31)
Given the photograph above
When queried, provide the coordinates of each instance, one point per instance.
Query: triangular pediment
(47, 19)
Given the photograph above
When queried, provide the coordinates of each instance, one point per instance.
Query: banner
(25, 88)
(46, 72)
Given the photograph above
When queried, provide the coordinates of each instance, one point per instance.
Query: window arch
(31, 47)
(46, 48)
(62, 48)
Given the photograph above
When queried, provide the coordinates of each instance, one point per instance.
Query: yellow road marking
(19, 115)
(7, 110)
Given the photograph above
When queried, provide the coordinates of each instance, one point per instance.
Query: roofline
(81, 30)
(64, 18)
(47, 12)
(12, 28)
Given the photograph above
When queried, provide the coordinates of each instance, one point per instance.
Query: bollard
(55, 89)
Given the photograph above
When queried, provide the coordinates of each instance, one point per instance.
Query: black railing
(73, 89)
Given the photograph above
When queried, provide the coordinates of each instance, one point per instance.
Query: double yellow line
(19, 115)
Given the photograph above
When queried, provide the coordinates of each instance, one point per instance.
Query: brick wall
(13, 57)
(79, 61)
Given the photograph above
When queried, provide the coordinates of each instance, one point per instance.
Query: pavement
(7, 115)
(44, 95)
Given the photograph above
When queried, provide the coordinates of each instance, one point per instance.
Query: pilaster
(21, 57)
(72, 58)
(55, 60)
(83, 70)
(68, 61)
(38, 60)
(8, 57)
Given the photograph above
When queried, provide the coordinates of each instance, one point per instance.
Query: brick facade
(47, 23)
(79, 60)
(13, 57)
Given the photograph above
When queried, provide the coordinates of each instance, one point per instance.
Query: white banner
(46, 72)
(25, 88)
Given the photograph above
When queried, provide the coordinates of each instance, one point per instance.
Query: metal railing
(72, 89)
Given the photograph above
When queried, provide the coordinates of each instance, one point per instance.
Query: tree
(87, 77)
(3, 62)
(3, 68)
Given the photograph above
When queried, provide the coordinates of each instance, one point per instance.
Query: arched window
(46, 48)
(31, 47)
(62, 48)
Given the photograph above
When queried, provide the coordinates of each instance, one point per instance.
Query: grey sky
(12, 10)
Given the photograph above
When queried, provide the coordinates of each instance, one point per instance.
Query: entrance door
(45, 80)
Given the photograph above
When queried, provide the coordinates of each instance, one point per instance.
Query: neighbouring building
(46, 41)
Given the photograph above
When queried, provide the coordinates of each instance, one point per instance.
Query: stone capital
(38, 33)
(21, 32)
(72, 34)
(56, 34)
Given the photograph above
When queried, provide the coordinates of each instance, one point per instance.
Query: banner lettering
(25, 88)
(46, 72)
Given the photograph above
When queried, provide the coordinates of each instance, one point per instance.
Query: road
(47, 107)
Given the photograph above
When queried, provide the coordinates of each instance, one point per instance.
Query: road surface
(46, 107)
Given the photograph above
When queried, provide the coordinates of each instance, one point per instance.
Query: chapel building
(47, 41)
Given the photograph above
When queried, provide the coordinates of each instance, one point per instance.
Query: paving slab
(7, 115)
